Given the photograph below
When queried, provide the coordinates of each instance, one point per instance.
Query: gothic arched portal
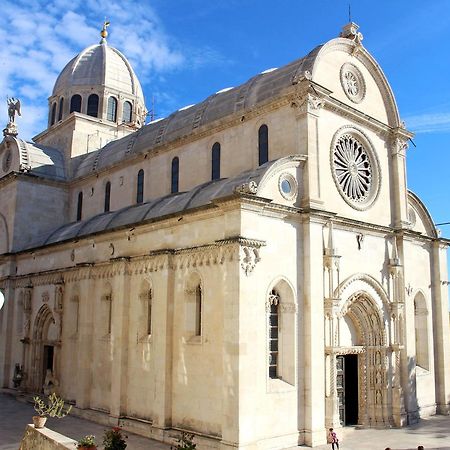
(44, 345)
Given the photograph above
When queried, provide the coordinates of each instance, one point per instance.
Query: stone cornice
(235, 248)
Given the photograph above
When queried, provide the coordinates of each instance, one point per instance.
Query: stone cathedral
(252, 268)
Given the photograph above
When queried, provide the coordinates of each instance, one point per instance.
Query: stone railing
(45, 439)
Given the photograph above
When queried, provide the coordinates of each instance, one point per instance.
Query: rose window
(352, 168)
(352, 82)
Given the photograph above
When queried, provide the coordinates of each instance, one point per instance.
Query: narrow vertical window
(75, 103)
(215, 162)
(53, 116)
(109, 300)
(92, 107)
(61, 109)
(175, 175)
(107, 196)
(126, 114)
(198, 310)
(274, 300)
(111, 113)
(149, 312)
(80, 206)
(263, 144)
(140, 187)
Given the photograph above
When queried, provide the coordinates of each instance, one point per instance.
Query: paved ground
(433, 433)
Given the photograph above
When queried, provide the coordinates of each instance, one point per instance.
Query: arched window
(111, 113)
(145, 319)
(421, 328)
(126, 116)
(61, 109)
(80, 206)
(274, 300)
(263, 144)
(215, 162)
(140, 187)
(194, 307)
(75, 103)
(53, 116)
(92, 107)
(281, 332)
(175, 174)
(107, 196)
(106, 306)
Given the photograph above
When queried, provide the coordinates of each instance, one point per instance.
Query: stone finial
(104, 32)
(350, 31)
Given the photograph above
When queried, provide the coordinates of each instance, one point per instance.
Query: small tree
(53, 408)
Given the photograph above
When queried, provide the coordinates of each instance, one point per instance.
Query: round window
(353, 83)
(355, 170)
(288, 186)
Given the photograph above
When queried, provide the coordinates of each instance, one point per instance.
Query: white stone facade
(300, 289)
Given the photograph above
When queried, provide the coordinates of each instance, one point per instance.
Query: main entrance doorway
(347, 388)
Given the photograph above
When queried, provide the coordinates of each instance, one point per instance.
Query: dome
(99, 65)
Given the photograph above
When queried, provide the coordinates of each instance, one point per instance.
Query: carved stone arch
(45, 335)
(365, 304)
(361, 54)
(4, 235)
(281, 330)
(194, 306)
(286, 290)
(418, 206)
(145, 308)
(362, 282)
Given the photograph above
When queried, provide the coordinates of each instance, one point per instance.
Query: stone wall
(45, 439)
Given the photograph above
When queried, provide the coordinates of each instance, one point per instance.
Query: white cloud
(39, 38)
(429, 123)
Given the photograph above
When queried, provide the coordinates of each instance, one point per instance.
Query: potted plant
(87, 443)
(53, 408)
(113, 439)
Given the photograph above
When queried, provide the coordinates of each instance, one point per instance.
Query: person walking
(333, 439)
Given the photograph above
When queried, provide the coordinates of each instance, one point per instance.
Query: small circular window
(353, 83)
(288, 186)
(355, 170)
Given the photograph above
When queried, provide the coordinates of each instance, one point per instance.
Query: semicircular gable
(419, 216)
(281, 182)
(327, 68)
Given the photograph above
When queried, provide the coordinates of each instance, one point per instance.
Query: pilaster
(313, 336)
(441, 331)
(119, 338)
(85, 338)
(398, 146)
(308, 103)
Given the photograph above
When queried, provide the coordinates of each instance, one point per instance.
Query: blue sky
(184, 50)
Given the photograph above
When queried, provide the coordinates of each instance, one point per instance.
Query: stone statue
(13, 106)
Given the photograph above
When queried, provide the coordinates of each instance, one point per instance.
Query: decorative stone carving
(299, 77)
(249, 258)
(352, 82)
(307, 103)
(355, 168)
(247, 188)
(45, 297)
(360, 240)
